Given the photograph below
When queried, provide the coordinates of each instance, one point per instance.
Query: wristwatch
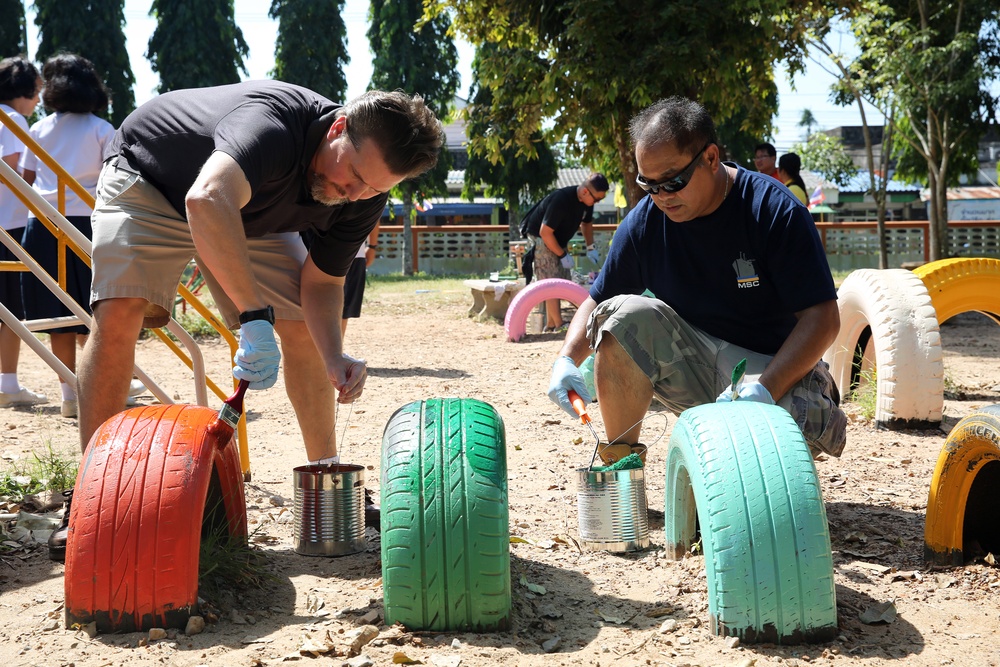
(266, 313)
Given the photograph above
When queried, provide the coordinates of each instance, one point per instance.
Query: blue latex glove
(594, 256)
(566, 376)
(257, 356)
(567, 262)
(751, 391)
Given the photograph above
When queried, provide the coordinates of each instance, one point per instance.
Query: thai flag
(817, 197)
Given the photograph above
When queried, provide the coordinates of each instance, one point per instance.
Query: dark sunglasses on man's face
(675, 183)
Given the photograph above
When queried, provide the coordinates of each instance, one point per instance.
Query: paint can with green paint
(612, 510)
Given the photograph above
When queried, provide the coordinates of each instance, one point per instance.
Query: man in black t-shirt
(230, 175)
(552, 224)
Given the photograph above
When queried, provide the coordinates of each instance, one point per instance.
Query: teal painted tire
(445, 532)
(742, 471)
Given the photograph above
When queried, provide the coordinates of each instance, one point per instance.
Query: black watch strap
(254, 315)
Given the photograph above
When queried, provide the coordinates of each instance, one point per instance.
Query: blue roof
(861, 183)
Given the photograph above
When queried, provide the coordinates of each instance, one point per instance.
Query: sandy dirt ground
(597, 608)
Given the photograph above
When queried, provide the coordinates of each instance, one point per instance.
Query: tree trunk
(933, 229)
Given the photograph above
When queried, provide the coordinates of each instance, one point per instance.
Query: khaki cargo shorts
(689, 367)
(141, 247)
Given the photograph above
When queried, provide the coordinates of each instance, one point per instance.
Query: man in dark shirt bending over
(230, 175)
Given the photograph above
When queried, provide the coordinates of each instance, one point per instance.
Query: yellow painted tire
(961, 285)
(961, 504)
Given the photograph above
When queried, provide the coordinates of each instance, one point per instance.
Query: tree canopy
(93, 29)
(565, 62)
(311, 46)
(419, 58)
(516, 177)
(196, 43)
(13, 30)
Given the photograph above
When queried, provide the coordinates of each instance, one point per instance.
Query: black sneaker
(373, 513)
(57, 540)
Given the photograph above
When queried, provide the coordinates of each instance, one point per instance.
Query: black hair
(673, 120)
(791, 164)
(18, 78)
(72, 85)
(598, 181)
(767, 148)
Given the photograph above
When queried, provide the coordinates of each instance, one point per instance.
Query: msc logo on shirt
(746, 273)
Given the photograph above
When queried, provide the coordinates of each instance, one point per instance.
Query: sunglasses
(675, 183)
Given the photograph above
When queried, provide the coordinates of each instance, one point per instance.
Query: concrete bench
(490, 299)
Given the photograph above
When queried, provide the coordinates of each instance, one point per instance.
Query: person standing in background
(789, 167)
(19, 87)
(75, 138)
(763, 159)
(354, 287)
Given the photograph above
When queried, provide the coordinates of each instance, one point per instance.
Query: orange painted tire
(139, 504)
(963, 284)
(961, 506)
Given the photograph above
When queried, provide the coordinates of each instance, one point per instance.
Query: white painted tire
(887, 321)
(516, 321)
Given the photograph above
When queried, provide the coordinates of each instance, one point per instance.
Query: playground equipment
(515, 322)
(743, 473)
(961, 507)
(889, 334)
(445, 532)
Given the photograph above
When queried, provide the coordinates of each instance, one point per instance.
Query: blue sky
(810, 91)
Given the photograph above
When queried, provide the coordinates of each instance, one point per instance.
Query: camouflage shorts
(688, 367)
(547, 265)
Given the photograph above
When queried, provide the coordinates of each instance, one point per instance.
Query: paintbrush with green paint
(739, 372)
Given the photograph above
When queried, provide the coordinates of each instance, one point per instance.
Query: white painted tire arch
(887, 321)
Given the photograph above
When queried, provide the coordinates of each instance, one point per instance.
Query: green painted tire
(445, 532)
(743, 472)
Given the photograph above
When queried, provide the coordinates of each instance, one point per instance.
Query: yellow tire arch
(963, 284)
(972, 449)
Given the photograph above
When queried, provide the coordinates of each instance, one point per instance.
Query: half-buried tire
(151, 480)
(888, 326)
(961, 518)
(445, 533)
(743, 472)
(515, 323)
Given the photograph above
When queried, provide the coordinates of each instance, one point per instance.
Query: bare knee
(117, 319)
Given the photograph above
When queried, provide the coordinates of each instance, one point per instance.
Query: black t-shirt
(562, 211)
(272, 129)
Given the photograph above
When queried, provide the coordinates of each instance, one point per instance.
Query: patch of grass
(865, 396)
(49, 471)
(227, 563)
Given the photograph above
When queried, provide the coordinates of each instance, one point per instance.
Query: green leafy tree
(311, 48)
(940, 60)
(579, 78)
(93, 29)
(420, 58)
(13, 31)
(196, 43)
(517, 178)
(856, 85)
(826, 156)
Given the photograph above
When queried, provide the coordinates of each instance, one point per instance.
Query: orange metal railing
(69, 238)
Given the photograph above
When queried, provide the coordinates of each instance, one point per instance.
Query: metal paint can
(612, 510)
(329, 510)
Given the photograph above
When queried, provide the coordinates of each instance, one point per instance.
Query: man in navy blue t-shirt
(737, 270)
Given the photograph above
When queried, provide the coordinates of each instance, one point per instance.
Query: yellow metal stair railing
(69, 237)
